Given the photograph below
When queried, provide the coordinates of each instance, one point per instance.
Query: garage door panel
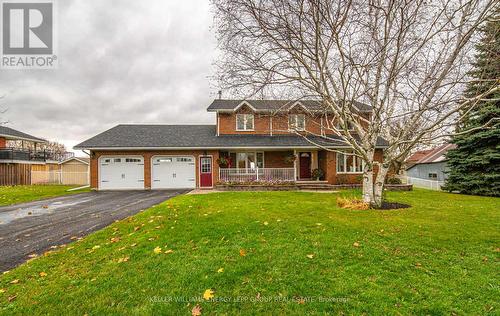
(173, 172)
(121, 173)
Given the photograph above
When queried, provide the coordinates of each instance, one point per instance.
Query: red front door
(206, 172)
(305, 165)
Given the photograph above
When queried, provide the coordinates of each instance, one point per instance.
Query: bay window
(244, 122)
(349, 163)
(297, 122)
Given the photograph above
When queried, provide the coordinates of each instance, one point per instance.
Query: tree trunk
(373, 190)
(378, 188)
(368, 186)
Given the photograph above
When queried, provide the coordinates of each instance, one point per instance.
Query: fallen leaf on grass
(196, 311)
(418, 264)
(133, 245)
(11, 298)
(310, 256)
(14, 281)
(124, 259)
(220, 270)
(208, 294)
(96, 247)
(356, 244)
(115, 239)
(157, 250)
(266, 223)
(136, 228)
(169, 251)
(243, 252)
(2, 290)
(43, 274)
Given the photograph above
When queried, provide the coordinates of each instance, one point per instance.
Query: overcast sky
(121, 61)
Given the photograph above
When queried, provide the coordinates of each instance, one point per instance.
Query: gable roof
(418, 155)
(84, 160)
(437, 154)
(196, 137)
(273, 105)
(12, 134)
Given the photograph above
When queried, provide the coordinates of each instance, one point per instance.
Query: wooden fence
(15, 174)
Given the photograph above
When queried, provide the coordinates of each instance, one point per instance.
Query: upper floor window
(297, 122)
(350, 126)
(244, 122)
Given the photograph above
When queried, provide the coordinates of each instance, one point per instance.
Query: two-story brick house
(252, 140)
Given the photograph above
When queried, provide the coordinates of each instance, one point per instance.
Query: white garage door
(173, 172)
(121, 173)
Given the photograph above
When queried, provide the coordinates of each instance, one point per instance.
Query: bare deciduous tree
(408, 60)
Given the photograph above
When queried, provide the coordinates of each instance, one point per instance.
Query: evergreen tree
(475, 163)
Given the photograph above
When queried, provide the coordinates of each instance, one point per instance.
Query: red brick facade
(267, 124)
(3, 142)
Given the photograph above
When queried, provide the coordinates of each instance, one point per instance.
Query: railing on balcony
(10, 153)
(256, 175)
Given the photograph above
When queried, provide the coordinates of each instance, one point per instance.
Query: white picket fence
(59, 177)
(424, 183)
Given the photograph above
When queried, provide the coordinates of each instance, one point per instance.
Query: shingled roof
(273, 105)
(432, 155)
(196, 136)
(12, 134)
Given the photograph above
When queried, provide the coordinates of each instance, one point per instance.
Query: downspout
(271, 125)
(218, 122)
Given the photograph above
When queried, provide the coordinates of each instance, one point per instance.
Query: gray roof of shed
(195, 136)
(10, 133)
(274, 105)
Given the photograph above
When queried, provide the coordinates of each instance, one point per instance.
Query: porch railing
(10, 153)
(256, 175)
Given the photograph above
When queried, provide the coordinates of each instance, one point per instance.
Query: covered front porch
(272, 166)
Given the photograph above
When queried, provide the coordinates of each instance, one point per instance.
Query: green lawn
(25, 193)
(303, 255)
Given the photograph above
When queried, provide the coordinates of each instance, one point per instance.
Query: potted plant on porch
(318, 174)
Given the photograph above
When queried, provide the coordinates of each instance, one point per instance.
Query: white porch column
(295, 165)
(314, 160)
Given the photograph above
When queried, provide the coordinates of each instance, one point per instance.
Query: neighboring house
(430, 165)
(17, 164)
(252, 140)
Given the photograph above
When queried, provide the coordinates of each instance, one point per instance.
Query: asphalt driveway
(33, 227)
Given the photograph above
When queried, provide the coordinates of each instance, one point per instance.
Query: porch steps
(318, 186)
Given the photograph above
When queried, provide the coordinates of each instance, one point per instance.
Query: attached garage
(173, 172)
(121, 173)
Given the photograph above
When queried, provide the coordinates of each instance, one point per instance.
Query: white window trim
(296, 119)
(338, 127)
(246, 160)
(345, 164)
(245, 123)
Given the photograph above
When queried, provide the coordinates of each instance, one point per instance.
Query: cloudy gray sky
(121, 61)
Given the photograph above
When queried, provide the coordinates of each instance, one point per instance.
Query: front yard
(26, 193)
(274, 253)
